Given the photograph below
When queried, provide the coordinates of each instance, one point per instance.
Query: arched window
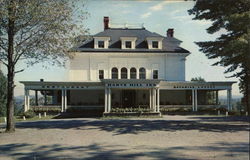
(142, 73)
(124, 73)
(114, 73)
(133, 73)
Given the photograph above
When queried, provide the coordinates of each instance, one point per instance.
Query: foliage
(43, 30)
(46, 109)
(36, 31)
(232, 48)
(29, 114)
(198, 79)
(175, 109)
(131, 109)
(3, 94)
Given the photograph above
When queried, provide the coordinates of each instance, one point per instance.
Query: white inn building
(128, 67)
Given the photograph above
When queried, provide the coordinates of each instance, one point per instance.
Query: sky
(157, 16)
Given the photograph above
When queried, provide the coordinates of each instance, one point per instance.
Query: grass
(36, 118)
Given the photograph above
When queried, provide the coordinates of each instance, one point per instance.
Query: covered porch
(195, 95)
(136, 93)
(110, 94)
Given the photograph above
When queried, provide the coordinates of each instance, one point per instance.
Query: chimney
(106, 22)
(170, 32)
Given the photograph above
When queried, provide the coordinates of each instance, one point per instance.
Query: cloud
(146, 15)
(158, 6)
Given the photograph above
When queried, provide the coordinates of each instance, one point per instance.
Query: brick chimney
(170, 32)
(106, 22)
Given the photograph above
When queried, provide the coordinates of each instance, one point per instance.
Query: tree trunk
(11, 68)
(247, 95)
(10, 101)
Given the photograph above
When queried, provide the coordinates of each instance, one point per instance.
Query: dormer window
(128, 44)
(155, 44)
(100, 44)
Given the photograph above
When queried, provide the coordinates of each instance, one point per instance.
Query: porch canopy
(200, 86)
(45, 86)
(154, 86)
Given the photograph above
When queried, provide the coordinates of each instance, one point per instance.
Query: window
(132, 73)
(114, 73)
(128, 44)
(100, 44)
(142, 73)
(155, 44)
(124, 73)
(101, 74)
(155, 74)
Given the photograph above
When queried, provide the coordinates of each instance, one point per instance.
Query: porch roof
(162, 84)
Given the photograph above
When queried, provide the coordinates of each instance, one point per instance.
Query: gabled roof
(169, 44)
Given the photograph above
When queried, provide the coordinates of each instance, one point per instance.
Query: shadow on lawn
(131, 126)
(26, 151)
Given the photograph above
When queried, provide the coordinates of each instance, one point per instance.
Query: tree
(35, 31)
(3, 95)
(198, 79)
(232, 48)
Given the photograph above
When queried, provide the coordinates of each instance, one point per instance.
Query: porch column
(154, 99)
(193, 99)
(65, 100)
(106, 100)
(109, 100)
(62, 107)
(229, 99)
(26, 101)
(158, 100)
(36, 98)
(150, 98)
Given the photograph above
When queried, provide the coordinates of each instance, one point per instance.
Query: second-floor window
(124, 73)
(142, 73)
(114, 73)
(155, 74)
(128, 44)
(100, 44)
(155, 44)
(101, 74)
(132, 73)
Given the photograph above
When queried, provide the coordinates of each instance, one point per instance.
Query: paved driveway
(170, 137)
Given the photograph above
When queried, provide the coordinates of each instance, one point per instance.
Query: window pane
(114, 73)
(124, 74)
(155, 44)
(155, 74)
(132, 73)
(142, 73)
(101, 74)
(128, 44)
(100, 44)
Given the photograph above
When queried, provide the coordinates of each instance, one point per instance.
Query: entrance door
(128, 98)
